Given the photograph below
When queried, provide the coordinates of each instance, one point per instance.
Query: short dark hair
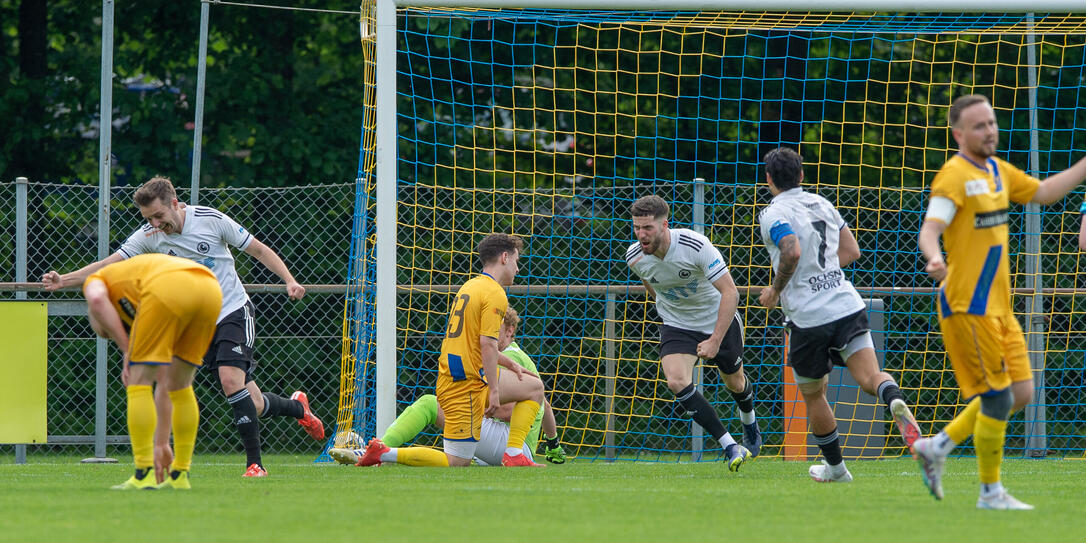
(785, 167)
(494, 245)
(157, 188)
(961, 103)
(651, 205)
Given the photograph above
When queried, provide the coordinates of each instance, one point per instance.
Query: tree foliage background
(283, 97)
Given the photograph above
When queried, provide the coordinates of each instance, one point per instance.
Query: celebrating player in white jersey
(809, 242)
(203, 234)
(697, 300)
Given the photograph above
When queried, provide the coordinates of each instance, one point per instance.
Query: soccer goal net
(548, 123)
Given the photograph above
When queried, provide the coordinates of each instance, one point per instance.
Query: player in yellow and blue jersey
(969, 210)
(495, 432)
(160, 311)
(468, 380)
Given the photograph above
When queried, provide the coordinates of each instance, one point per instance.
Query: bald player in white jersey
(809, 242)
(205, 235)
(697, 300)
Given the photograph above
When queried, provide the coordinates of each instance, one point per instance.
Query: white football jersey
(818, 292)
(683, 279)
(204, 239)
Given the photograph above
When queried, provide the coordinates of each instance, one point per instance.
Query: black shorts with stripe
(678, 340)
(233, 342)
(812, 352)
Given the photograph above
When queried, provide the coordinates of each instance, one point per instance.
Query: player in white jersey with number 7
(809, 242)
(696, 299)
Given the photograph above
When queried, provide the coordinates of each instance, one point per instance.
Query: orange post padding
(795, 414)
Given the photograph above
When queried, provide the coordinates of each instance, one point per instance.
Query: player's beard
(986, 149)
(654, 245)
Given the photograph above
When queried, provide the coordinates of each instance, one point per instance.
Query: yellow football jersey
(130, 279)
(978, 278)
(477, 310)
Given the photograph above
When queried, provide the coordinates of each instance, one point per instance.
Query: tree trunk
(32, 39)
(26, 156)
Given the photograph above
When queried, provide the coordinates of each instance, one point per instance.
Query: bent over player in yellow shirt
(467, 379)
(969, 209)
(159, 310)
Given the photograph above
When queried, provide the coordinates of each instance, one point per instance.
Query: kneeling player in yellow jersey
(495, 432)
(160, 311)
(467, 387)
(969, 207)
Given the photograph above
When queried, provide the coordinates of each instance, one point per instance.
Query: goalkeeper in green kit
(425, 412)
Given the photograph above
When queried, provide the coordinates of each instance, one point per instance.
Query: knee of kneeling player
(537, 392)
(997, 405)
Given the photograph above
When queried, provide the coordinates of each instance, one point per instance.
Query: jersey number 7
(820, 227)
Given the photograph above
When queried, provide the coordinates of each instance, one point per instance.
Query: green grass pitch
(59, 499)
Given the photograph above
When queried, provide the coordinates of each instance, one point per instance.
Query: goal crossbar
(891, 6)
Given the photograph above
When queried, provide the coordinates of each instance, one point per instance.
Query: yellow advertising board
(24, 329)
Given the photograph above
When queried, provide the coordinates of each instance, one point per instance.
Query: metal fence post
(610, 369)
(201, 81)
(1035, 427)
(20, 267)
(105, 158)
(697, 434)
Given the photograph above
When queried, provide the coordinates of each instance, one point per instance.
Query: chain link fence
(572, 331)
(594, 338)
(298, 343)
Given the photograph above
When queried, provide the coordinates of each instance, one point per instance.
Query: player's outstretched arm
(164, 410)
(729, 301)
(930, 232)
(271, 260)
(649, 289)
(53, 280)
(1057, 186)
(488, 348)
(789, 261)
(104, 318)
(848, 249)
(553, 451)
(1082, 231)
(549, 425)
(520, 371)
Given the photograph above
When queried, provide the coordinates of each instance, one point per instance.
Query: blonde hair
(511, 317)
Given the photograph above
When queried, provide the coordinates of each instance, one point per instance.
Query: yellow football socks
(959, 429)
(421, 456)
(520, 422)
(186, 419)
(141, 425)
(988, 442)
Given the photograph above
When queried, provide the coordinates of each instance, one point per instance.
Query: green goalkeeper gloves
(553, 451)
